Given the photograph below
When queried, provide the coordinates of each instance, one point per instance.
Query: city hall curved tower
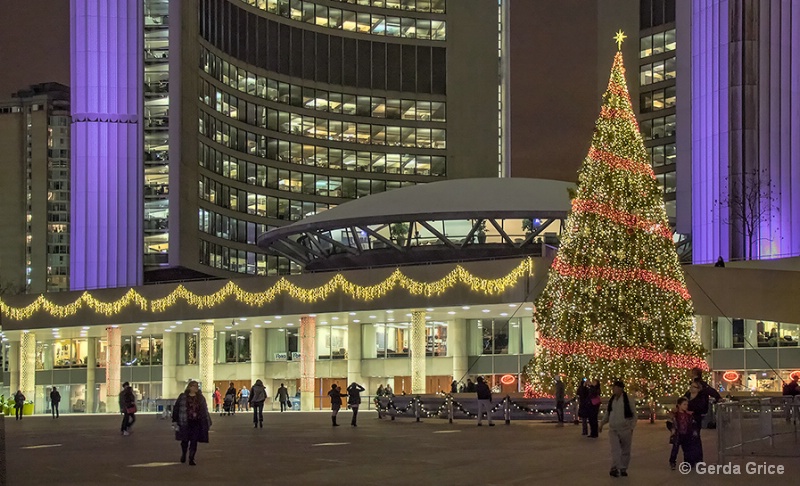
(280, 110)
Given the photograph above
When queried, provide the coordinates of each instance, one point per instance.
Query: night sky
(34, 44)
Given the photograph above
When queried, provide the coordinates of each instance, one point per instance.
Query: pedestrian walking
(454, 387)
(560, 396)
(470, 386)
(354, 400)
(191, 421)
(282, 395)
(19, 402)
(258, 395)
(336, 402)
(484, 401)
(594, 407)
(621, 419)
(55, 400)
(387, 391)
(685, 435)
(790, 391)
(127, 406)
(244, 399)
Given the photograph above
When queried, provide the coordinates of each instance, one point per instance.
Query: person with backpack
(19, 402)
(621, 419)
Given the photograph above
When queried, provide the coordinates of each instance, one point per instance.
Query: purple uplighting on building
(107, 175)
(745, 120)
(710, 236)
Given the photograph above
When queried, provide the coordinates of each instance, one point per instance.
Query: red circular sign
(730, 376)
(795, 374)
(508, 379)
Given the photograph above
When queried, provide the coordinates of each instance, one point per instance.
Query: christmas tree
(616, 304)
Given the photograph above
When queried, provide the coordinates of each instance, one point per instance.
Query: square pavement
(304, 449)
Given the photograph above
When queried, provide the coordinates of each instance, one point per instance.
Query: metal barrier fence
(449, 407)
(759, 427)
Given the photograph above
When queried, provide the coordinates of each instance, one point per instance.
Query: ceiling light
(138, 332)
(167, 330)
(86, 328)
(389, 311)
(466, 307)
(408, 315)
(54, 329)
(427, 318)
(429, 309)
(529, 308)
(373, 317)
(267, 322)
(335, 318)
(179, 322)
(172, 327)
(290, 323)
(242, 318)
(196, 328)
(504, 314)
(312, 315)
(324, 322)
(277, 317)
(281, 330)
(451, 312)
(485, 310)
(356, 320)
(228, 327)
(257, 325)
(390, 319)
(512, 305)
(144, 324)
(352, 313)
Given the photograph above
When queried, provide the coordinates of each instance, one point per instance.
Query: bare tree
(750, 202)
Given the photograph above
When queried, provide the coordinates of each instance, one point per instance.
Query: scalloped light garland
(255, 299)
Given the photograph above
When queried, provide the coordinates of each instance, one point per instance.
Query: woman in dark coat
(191, 420)
(354, 399)
(336, 402)
(582, 396)
(594, 407)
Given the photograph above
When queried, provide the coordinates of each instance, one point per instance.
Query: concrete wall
(560, 57)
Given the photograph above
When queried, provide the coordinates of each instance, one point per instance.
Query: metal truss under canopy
(456, 220)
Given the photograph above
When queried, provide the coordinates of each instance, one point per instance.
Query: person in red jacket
(217, 399)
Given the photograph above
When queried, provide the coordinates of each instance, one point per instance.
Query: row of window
(319, 156)
(324, 58)
(656, 128)
(435, 6)
(230, 228)
(324, 128)
(658, 43)
(296, 182)
(318, 99)
(653, 13)
(660, 99)
(350, 21)
(245, 262)
(662, 154)
(657, 71)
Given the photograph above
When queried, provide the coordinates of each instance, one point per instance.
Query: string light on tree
(616, 304)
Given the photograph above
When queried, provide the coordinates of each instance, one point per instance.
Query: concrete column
(457, 348)
(169, 365)
(13, 367)
(308, 362)
(417, 351)
(206, 358)
(354, 353)
(27, 364)
(113, 367)
(258, 354)
(91, 369)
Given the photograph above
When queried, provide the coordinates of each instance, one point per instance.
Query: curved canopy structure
(453, 220)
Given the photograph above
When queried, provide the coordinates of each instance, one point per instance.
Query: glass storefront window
(233, 346)
(436, 339)
(331, 342)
